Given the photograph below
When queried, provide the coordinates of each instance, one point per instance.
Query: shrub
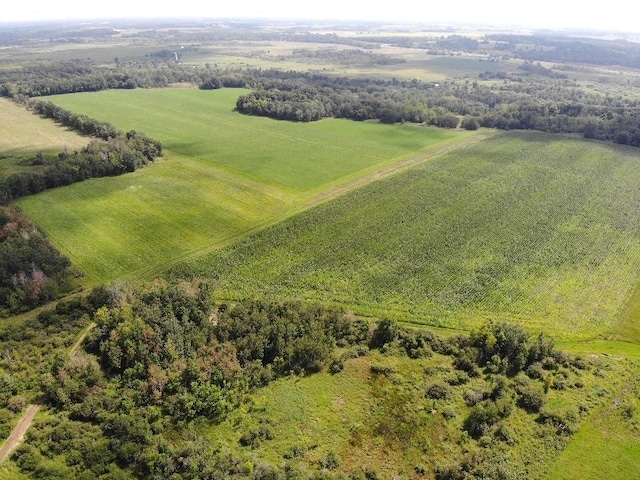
(563, 420)
(506, 434)
(16, 403)
(457, 378)
(473, 397)
(438, 391)
(385, 332)
(336, 365)
(449, 412)
(531, 398)
(255, 436)
(481, 417)
(330, 462)
(470, 123)
(536, 371)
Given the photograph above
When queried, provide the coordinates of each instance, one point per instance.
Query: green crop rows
(224, 175)
(530, 228)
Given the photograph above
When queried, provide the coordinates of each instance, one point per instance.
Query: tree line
(560, 48)
(113, 153)
(537, 98)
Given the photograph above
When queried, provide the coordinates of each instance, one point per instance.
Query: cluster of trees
(537, 100)
(558, 48)
(32, 271)
(352, 57)
(29, 348)
(78, 122)
(161, 357)
(100, 158)
(115, 154)
(321, 97)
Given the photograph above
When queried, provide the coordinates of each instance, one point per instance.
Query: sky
(553, 14)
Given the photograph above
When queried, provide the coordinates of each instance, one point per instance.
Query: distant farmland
(531, 228)
(224, 175)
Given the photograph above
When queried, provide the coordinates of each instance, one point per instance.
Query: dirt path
(76, 345)
(17, 434)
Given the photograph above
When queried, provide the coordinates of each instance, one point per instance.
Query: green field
(608, 446)
(530, 228)
(224, 175)
(24, 134)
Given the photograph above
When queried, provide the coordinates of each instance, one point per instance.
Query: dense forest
(557, 48)
(32, 271)
(529, 101)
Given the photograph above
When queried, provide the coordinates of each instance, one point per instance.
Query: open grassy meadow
(608, 446)
(24, 134)
(524, 227)
(224, 175)
(374, 416)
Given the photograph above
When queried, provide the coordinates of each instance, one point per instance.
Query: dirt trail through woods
(18, 432)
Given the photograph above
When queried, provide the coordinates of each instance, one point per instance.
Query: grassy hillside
(608, 446)
(530, 228)
(225, 174)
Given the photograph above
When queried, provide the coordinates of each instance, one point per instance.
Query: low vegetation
(517, 227)
(161, 365)
(212, 187)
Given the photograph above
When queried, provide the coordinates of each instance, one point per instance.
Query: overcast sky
(613, 14)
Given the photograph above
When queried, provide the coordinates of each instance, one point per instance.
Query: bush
(256, 436)
(563, 420)
(531, 398)
(486, 414)
(385, 332)
(438, 391)
(16, 403)
(473, 397)
(482, 417)
(536, 371)
(457, 378)
(470, 123)
(506, 434)
(449, 412)
(336, 365)
(330, 462)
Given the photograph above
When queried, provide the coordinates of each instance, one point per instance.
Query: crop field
(24, 134)
(224, 175)
(525, 227)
